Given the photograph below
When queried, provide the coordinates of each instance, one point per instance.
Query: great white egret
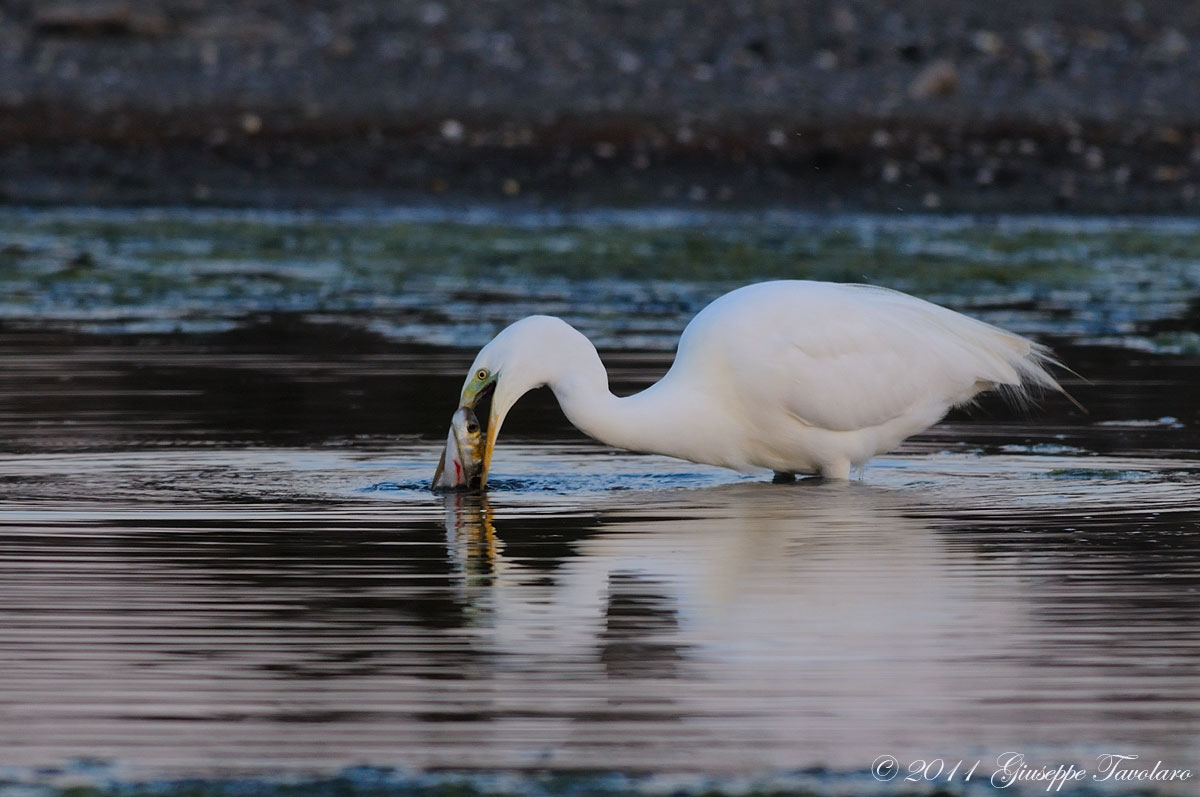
(795, 376)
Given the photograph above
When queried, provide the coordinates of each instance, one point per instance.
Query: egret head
(525, 355)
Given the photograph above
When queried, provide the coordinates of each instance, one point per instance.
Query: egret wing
(853, 357)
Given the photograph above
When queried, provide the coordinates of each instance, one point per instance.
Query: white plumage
(794, 376)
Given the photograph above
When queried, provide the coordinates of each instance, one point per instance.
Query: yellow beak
(470, 397)
(489, 443)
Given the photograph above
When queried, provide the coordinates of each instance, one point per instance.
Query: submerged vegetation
(456, 277)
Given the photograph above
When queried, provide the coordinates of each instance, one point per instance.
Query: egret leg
(783, 477)
(836, 470)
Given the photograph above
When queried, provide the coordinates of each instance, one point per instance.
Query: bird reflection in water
(796, 604)
(621, 616)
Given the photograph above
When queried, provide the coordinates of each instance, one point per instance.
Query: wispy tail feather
(1031, 366)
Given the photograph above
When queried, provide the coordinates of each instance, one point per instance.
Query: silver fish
(461, 465)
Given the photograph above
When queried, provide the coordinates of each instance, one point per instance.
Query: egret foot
(782, 477)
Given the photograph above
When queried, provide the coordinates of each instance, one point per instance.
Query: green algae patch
(426, 275)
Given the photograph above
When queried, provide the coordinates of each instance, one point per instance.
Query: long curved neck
(658, 420)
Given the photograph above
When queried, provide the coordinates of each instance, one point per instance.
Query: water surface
(219, 556)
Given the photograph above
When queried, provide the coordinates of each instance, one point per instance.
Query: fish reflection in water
(471, 537)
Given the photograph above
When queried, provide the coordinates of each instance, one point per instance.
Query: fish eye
(472, 428)
(481, 374)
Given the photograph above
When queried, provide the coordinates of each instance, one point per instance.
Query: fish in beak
(483, 399)
(486, 399)
(463, 465)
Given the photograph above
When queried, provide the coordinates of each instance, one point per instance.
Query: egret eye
(481, 374)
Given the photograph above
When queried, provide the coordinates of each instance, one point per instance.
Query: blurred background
(867, 104)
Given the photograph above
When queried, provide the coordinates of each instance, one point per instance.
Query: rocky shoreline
(1032, 107)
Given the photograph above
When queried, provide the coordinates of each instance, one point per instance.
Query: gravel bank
(1022, 105)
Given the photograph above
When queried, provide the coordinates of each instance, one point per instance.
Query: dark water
(219, 559)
